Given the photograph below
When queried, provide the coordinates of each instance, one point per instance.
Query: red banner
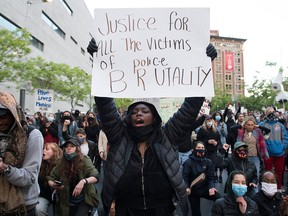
(229, 58)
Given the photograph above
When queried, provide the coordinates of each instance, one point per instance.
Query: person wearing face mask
(49, 130)
(77, 176)
(92, 127)
(196, 164)
(276, 144)
(222, 129)
(88, 147)
(269, 201)
(239, 161)
(235, 202)
(210, 136)
(67, 125)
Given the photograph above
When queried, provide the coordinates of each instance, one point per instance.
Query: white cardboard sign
(152, 52)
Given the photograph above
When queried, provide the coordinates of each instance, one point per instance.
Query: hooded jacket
(165, 146)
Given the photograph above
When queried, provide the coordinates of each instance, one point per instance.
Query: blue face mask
(217, 118)
(239, 190)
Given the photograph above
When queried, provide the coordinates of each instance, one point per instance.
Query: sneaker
(220, 179)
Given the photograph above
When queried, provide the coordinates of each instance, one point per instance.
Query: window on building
(36, 43)
(7, 24)
(228, 77)
(73, 40)
(53, 25)
(66, 6)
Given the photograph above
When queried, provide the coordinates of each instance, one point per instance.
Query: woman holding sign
(142, 172)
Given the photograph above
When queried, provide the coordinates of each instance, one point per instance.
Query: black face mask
(90, 119)
(66, 117)
(199, 152)
(271, 116)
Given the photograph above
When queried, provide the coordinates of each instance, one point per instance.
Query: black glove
(211, 52)
(92, 47)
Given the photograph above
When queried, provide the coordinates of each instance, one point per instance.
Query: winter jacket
(260, 142)
(226, 207)
(164, 145)
(268, 206)
(278, 138)
(193, 167)
(90, 193)
(249, 168)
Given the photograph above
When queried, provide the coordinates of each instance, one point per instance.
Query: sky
(262, 23)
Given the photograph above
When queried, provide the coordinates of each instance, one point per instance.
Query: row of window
(11, 26)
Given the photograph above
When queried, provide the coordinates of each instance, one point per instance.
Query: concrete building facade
(60, 30)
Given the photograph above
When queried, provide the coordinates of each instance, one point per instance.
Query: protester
(194, 166)
(68, 124)
(92, 128)
(51, 153)
(276, 144)
(269, 201)
(251, 135)
(141, 153)
(239, 161)
(88, 148)
(20, 160)
(222, 130)
(77, 176)
(235, 202)
(145, 154)
(49, 129)
(103, 145)
(210, 136)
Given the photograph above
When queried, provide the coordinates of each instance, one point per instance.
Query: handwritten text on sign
(44, 100)
(152, 53)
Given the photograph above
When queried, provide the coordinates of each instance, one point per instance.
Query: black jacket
(164, 145)
(226, 207)
(249, 168)
(193, 167)
(268, 206)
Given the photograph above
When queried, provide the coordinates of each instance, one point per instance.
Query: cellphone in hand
(59, 183)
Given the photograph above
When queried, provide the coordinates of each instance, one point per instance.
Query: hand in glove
(92, 47)
(211, 52)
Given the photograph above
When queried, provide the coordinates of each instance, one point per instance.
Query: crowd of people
(150, 168)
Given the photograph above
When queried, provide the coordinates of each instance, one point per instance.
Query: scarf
(139, 134)
(13, 201)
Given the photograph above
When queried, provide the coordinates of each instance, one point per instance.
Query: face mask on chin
(268, 189)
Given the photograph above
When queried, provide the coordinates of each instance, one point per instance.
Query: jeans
(183, 156)
(42, 207)
(256, 161)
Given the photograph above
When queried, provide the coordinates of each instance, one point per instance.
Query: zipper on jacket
(143, 187)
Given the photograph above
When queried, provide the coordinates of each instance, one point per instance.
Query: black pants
(194, 199)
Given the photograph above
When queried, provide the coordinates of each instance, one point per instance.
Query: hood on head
(158, 120)
(8, 101)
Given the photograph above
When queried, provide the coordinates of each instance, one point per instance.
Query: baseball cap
(74, 142)
(239, 144)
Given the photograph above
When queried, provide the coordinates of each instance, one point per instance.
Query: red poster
(229, 61)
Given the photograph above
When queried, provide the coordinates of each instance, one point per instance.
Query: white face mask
(269, 189)
(209, 124)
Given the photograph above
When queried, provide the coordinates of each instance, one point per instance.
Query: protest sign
(44, 100)
(153, 52)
